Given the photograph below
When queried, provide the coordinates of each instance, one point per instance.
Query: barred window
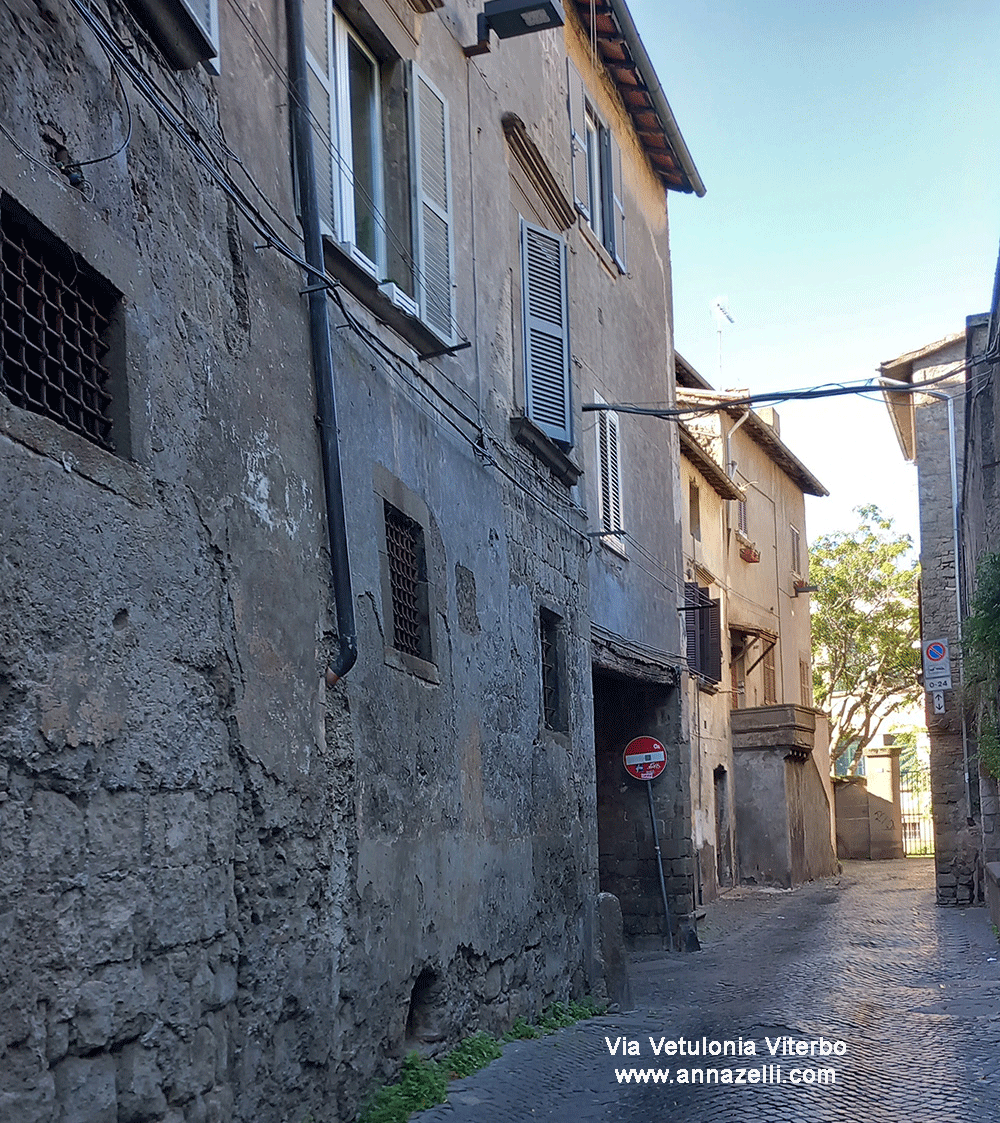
(554, 709)
(404, 539)
(55, 330)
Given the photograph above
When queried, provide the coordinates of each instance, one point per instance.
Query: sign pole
(659, 864)
(644, 759)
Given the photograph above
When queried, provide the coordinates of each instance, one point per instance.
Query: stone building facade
(936, 445)
(236, 887)
(981, 529)
(761, 794)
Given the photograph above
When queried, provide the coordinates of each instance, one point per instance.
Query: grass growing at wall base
(424, 1083)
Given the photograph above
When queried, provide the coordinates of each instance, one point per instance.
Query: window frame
(795, 543)
(552, 673)
(429, 275)
(596, 167)
(703, 633)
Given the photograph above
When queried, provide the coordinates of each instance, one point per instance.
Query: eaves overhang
(624, 57)
(707, 465)
(761, 433)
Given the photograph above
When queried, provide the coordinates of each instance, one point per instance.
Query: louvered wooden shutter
(432, 213)
(692, 599)
(617, 209)
(546, 332)
(578, 140)
(711, 653)
(610, 469)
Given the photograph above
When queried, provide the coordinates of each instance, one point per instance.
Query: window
(545, 322)
(703, 620)
(187, 31)
(554, 709)
(796, 551)
(404, 540)
(57, 326)
(694, 510)
(770, 685)
(742, 524)
(383, 172)
(737, 669)
(805, 683)
(596, 158)
(609, 497)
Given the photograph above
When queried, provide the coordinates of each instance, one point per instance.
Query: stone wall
(956, 838)
(227, 892)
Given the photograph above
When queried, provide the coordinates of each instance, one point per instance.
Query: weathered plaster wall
(227, 893)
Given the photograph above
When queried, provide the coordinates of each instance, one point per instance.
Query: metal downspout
(322, 354)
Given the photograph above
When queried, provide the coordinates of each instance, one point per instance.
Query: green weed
(423, 1083)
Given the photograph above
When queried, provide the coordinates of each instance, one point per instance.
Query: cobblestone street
(865, 958)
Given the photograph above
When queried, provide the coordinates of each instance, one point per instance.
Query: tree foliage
(981, 637)
(865, 629)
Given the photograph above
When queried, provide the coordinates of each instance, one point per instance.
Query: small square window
(407, 559)
(57, 325)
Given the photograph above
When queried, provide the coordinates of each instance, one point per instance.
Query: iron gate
(915, 804)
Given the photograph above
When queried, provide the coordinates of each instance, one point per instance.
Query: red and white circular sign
(645, 758)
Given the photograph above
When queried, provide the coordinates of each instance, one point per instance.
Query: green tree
(865, 629)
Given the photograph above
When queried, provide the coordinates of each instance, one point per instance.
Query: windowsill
(615, 544)
(363, 286)
(599, 248)
(176, 33)
(412, 665)
(528, 435)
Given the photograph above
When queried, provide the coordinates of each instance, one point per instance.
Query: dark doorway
(723, 829)
(625, 708)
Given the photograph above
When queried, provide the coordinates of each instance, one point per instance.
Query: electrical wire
(721, 403)
(128, 134)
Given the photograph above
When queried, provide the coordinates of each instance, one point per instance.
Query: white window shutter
(545, 316)
(323, 152)
(617, 201)
(320, 79)
(610, 472)
(578, 139)
(433, 226)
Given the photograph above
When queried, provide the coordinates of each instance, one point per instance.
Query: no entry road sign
(645, 758)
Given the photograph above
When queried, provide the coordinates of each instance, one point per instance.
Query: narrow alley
(912, 991)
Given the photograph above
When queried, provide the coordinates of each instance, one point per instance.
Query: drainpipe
(730, 463)
(322, 354)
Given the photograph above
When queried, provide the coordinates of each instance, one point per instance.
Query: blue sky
(851, 153)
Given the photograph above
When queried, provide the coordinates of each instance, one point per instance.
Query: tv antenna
(720, 309)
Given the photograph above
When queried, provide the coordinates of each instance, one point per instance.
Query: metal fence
(918, 820)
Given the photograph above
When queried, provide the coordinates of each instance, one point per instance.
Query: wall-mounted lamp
(514, 17)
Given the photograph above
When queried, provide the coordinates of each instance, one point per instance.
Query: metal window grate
(551, 700)
(53, 330)
(404, 539)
